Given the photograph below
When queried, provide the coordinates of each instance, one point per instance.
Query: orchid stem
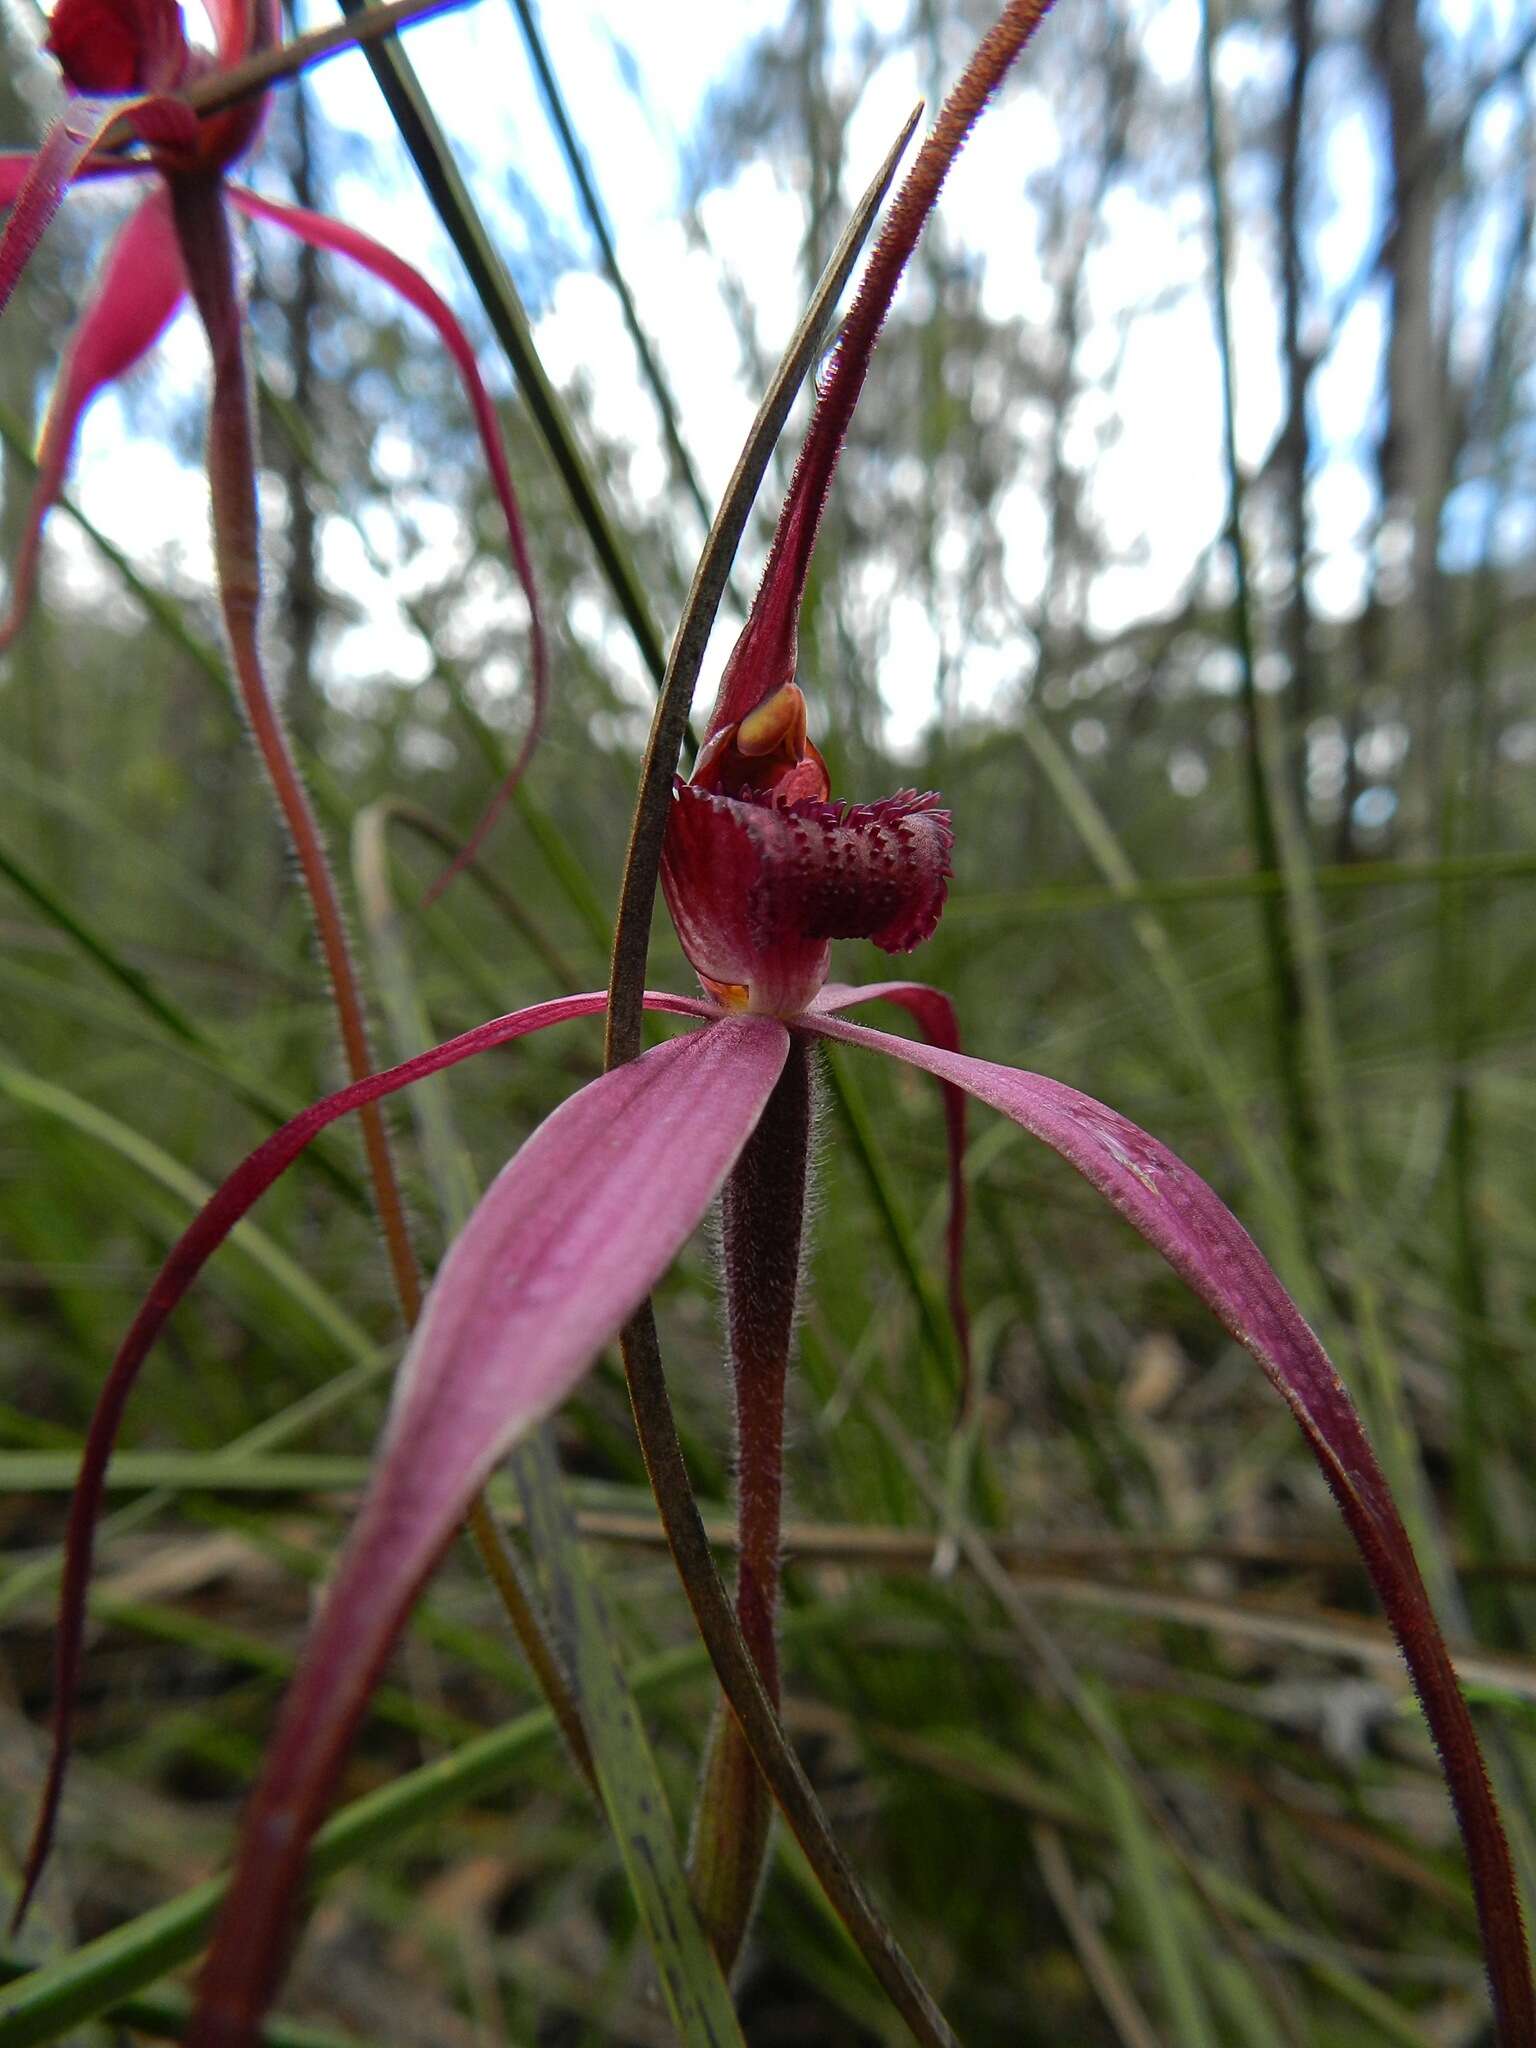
(208, 253)
(207, 248)
(744, 1689)
(762, 1233)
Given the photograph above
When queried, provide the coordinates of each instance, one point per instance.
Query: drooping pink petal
(14, 169)
(186, 1259)
(35, 200)
(140, 287)
(411, 286)
(241, 28)
(564, 1246)
(934, 1015)
(59, 158)
(758, 891)
(1181, 1218)
(763, 659)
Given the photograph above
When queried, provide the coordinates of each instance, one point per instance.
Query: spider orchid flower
(128, 63)
(761, 871)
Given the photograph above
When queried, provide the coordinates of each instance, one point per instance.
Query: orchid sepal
(563, 1246)
(1186, 1222)
(234, 1199)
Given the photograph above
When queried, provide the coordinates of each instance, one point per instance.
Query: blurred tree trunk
(1294, 452)
(1418, 440)
(301, 605)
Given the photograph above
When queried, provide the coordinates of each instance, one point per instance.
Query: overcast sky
(1158, 487)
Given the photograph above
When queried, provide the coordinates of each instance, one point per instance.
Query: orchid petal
(58, 159)
(141, 285)
(758, 890)
(411, 286)
(241, 28)
(1184, 1220)
(14, 169)
(36, 198)
(934, 1015)
(186, 1259)
(565, 1245)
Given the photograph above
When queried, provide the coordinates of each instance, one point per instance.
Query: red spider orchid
(761, 870)
(127, 66)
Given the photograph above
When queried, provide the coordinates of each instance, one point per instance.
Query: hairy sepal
(1174, 1210)
(140, 287)
(563, 1247)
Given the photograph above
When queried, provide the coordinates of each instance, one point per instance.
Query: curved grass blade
(142, 1152)
(493, 285)
(246, 1088)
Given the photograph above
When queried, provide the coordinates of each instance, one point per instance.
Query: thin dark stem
(761, 1236)
(208, 253)
(1285, 983)
(602, 234)
(439, 173)
(745, 1692)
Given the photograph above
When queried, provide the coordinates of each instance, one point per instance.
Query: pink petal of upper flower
(414, 289)
(758, 890)
(118, 46)
(186, 1259)
(36, 197)
(563, 1247)
(242, 27)
(934, 1015)
(14, 168)
(140, 287)
(1180, 1217)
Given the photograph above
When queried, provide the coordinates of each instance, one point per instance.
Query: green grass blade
(493, 285)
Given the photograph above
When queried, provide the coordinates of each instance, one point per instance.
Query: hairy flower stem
(207, 250)
(762, 1226)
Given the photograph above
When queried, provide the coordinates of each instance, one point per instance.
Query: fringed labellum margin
(761, 871)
